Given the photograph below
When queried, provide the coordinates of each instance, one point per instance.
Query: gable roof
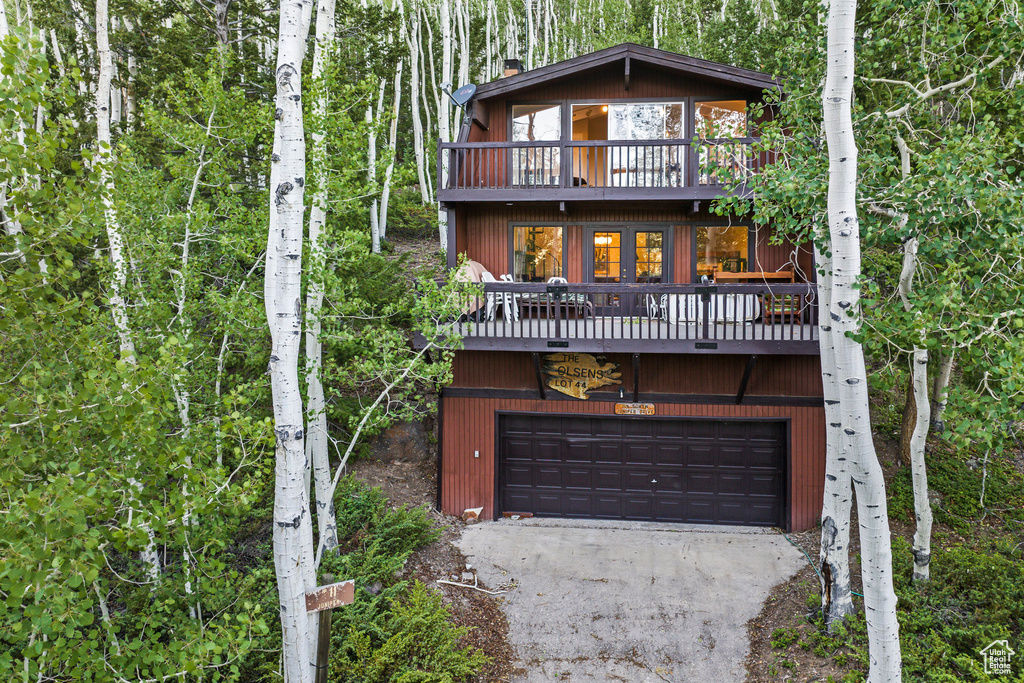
(648, 56)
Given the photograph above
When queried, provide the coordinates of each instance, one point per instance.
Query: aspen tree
(316, 415)
(851, 375)
(292, 532)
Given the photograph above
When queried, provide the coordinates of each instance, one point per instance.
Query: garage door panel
(518, 449)
(576, 506)
(700, 455)
(518, 475)
(669, 481)
(693, 470)
(764, 458)
(639, 454)
(579, 452)
(700, 482)
(733, 485)
(608, 453)
(669, 454)
(766, 485)
(732, 456)
(548, 450)
(607, 480)
(637, 508)
(578, 478)
(547, 504)
(547, 477)
(700, 510)
(606, 506)
(639, 480)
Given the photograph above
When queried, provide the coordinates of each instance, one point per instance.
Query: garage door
(680, 470)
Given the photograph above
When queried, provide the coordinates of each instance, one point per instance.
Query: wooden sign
(634, 409)
(331, 596)
(574, 374)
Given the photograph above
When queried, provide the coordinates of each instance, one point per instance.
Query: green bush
(392, 632)
(412, 642)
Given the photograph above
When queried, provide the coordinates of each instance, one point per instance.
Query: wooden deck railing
(591, 168)
(735, 318)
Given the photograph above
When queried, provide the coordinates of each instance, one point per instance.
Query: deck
(601, 170)
(642, 318)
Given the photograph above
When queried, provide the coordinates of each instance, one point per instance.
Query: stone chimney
(513, 67)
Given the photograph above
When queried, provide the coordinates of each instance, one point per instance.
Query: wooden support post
(746, 378)
(323, 646)
(540, 377)
(627, 72)
(323, 640)
(451, 251)
(636, 378)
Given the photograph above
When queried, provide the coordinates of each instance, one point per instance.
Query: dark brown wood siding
(468, 475)
(608, 83)
(483, 235)
(792, 376)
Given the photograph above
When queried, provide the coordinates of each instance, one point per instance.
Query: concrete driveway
(631, 602)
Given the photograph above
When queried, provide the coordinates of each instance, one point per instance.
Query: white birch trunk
(531, 36)
(444, 115)
(851, 375)
(292, 535)
(316, 415)
(834, 554)
(118, 308)
(389, 172)
(919, 373)
(488, 30)
(547, 31)
(412, 42)
(462, 19)
(940, 390)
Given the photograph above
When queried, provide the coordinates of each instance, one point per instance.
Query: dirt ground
(414, 484)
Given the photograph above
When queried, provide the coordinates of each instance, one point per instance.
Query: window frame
(751, 241)
(536, 224)
(667, 248)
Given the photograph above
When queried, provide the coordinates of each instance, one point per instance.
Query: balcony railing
(600, 169)
(665, 318)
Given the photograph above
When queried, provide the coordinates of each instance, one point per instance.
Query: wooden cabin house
(636, 357)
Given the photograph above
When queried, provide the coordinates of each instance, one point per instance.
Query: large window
(724, 119)
(629, 165)
(536, 165)
(722, 248)
(536, 253)
(716, 124)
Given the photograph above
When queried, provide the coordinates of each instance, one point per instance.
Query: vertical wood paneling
(468, 481)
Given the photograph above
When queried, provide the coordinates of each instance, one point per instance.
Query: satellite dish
(463, 95)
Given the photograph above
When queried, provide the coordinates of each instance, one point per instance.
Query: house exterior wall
(482, 233)
(609, 83)
(469, 425)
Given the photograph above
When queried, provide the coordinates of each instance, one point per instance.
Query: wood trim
(659, 59)
(746, 378)
(605, 396)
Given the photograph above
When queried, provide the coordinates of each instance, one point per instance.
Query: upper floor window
(628, 121)
(723, 119)
(532, 122)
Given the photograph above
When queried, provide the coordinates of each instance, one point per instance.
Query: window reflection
(534, 166)
(648, 256)
(607, 256)
(724, 119)
(537, 253)
(723, 248)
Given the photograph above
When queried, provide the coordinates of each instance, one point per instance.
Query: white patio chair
(491, 302)
(510, 301)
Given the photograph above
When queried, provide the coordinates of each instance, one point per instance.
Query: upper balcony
(596, 170)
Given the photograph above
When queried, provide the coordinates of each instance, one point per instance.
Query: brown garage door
(682, 470)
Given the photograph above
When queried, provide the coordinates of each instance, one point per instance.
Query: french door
(626, 255)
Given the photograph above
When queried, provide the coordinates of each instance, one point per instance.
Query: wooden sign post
(323, 600)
